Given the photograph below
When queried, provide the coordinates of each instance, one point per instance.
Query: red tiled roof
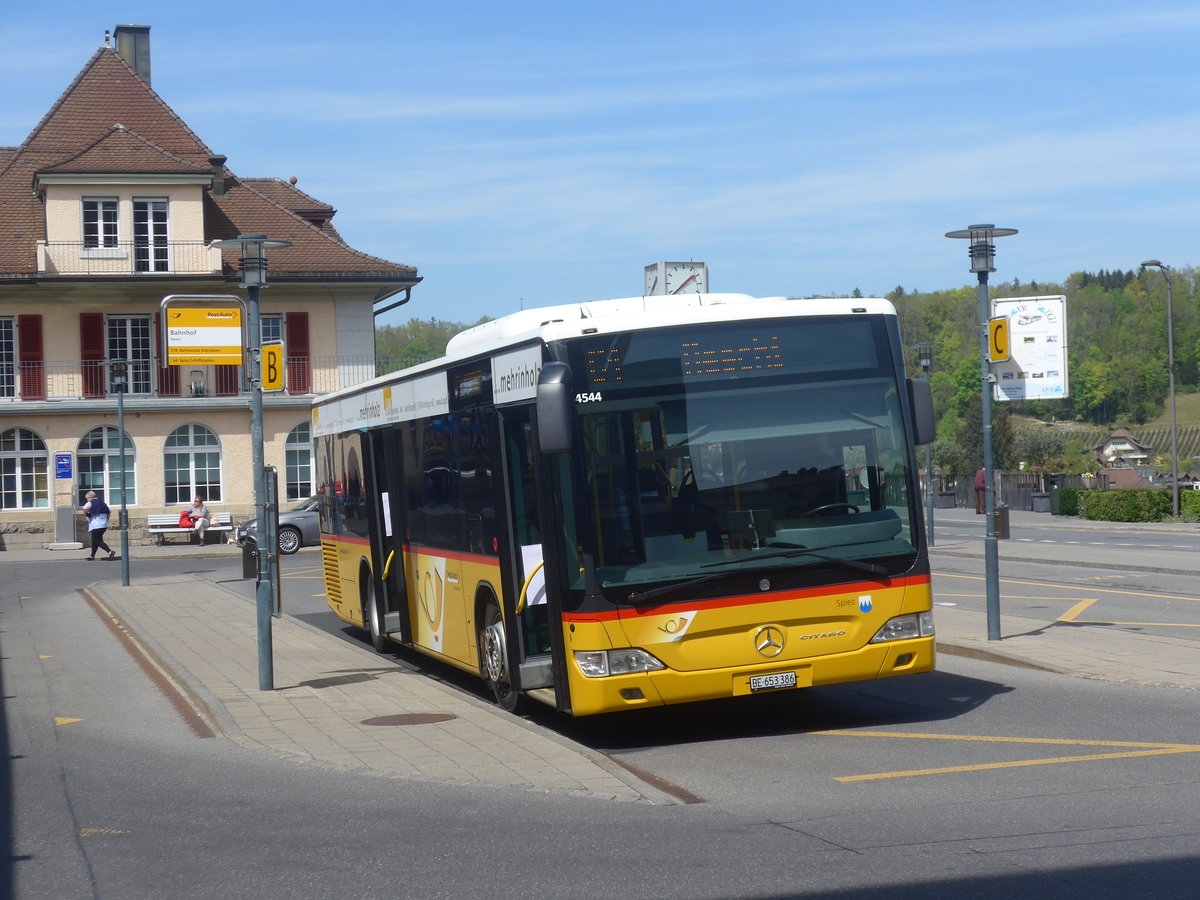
(121, 150)
(82, 133)
(287, 195)
(313, 251)
(105, 92)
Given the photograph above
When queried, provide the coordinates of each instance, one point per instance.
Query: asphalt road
(977, 780)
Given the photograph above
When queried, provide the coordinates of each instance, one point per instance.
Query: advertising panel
(1037, 337)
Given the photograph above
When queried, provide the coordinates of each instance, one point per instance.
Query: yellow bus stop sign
(998, 339)
(273, 370)
(204, 336)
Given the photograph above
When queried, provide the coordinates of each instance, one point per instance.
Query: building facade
(109, 205)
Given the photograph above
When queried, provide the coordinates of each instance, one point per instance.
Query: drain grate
(411, 719)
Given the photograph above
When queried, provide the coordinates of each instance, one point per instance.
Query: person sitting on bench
(200, 517)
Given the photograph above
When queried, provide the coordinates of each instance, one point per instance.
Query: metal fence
(128, 258)
(1014, 490)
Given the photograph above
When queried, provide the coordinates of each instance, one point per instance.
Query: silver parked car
(298, 527)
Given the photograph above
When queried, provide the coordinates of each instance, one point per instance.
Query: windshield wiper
(638, 596)
(858, 564)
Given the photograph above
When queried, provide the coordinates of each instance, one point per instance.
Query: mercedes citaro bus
(631, 503)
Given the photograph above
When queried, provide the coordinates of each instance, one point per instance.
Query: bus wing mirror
(920, 400)
(554, 408)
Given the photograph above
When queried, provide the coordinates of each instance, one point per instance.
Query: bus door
(384, 474)
(529, 632)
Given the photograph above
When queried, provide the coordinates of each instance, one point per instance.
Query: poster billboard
(1037, 336)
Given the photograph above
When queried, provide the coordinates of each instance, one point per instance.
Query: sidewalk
(1052, 549)
(337, 704)
(340, 705)
(1088, 651)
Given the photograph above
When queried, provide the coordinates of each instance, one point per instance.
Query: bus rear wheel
(493, 657)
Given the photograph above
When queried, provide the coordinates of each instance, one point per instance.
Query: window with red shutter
(299, 364)
(168, 376)
(31, 359)
(227, 381)
(91, 353)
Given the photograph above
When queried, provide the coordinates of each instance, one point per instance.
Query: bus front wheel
(493, 655)
(374, 618)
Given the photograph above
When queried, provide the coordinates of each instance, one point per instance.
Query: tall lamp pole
(119, 369)
(253, 262)
(983, 257)
(1166, 270)
(925, 356)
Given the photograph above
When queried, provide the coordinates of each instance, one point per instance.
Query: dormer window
(99, 223)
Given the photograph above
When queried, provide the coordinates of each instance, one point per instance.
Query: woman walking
(97, 513)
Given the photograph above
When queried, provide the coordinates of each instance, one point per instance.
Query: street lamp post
(119, 371)
(253, 262)
(983, 257)
(925, 357)
(1166, 270)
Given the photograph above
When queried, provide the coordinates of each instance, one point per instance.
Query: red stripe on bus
(751, 599)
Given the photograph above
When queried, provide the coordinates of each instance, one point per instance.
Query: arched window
(99, 461)
(298, 452)
(24, 483)
(191, 465)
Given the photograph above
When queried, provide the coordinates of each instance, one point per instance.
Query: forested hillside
(1117, 358)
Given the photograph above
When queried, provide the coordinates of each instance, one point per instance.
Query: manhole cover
(410, 719)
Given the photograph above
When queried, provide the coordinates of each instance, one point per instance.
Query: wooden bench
(163, 524)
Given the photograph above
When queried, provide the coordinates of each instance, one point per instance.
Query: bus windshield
(742, 447)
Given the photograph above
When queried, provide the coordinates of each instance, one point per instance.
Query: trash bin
(250, 560)
(1055, 485)
(1002, 521)
(944, 500)
(1041, 502)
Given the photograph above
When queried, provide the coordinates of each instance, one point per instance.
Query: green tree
(948, 458)
(1039, 448)
(416, 341)
(969, 436)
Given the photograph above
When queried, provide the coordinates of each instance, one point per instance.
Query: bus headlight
(902, 628)
(601, 663)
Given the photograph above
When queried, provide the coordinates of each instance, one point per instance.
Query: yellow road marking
(983, 767)
(1143, 749)
(1070, 614)
(1070, 587)
(1137, 624)
(60, 721)
(44, 656)
(1011, 597)
(92, 832)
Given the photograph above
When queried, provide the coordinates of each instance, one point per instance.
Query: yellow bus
(639, 502)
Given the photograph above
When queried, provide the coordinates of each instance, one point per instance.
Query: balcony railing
(76, 380)
(128, 258)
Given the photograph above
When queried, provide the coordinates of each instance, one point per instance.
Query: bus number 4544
(594, 397)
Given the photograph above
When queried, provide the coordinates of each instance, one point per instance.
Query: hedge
(1126, 506)
(1068, 501)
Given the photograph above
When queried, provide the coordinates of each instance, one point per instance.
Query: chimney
(133, 43)
(218, 172)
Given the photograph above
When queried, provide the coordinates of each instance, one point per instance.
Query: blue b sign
(62, 465)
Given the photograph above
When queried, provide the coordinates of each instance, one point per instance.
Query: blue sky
(526, 154)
